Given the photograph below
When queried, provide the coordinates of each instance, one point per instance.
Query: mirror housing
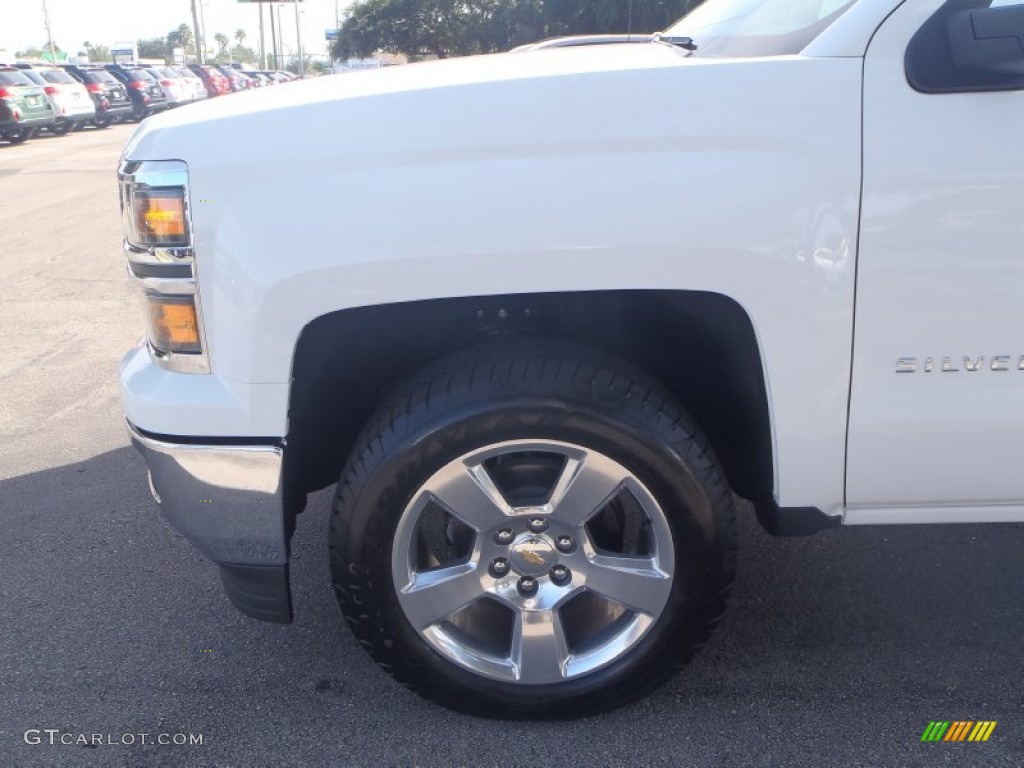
(989, 40)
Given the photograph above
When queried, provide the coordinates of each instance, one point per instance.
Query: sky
(108, 21)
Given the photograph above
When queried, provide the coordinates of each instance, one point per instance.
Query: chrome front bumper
(228, 501)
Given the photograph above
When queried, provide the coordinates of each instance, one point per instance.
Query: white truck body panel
(637, 167)
(940, 276)
(754, 196)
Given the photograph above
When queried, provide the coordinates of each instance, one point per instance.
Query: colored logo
(958, 730)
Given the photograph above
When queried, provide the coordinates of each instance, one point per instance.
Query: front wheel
(19, 135)
(532, 530)
(62, 129)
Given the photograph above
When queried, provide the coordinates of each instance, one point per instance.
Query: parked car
(68, 98)
(259, 78)
(144, 90)
(267, 76)
(239, 81)
(109, 95)
(194, 81)
(24, 108)
(176, 88)
(215, 81)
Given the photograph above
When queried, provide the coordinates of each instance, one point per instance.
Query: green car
(24, 108)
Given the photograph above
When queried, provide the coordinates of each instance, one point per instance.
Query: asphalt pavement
(837, 650)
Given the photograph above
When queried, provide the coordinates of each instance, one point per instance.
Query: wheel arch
(700, 345)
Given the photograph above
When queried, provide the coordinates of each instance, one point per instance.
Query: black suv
(145, 91)
(108, 94)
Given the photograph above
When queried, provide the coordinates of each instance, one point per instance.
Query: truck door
(937, 395)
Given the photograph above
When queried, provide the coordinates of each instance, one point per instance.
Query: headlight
(155, 216)
(173, 324)
(161, 260)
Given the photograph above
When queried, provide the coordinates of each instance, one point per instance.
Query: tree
(181, 38)
(97, 52)
(444, 28)
(154, 48)
(417, 28)
(240, 36)
(42, 52)
(244, 54)
(222, 43)
(610, 16)
(239, 53)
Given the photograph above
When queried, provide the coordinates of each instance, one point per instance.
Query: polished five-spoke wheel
(532, 529)
(533, 561)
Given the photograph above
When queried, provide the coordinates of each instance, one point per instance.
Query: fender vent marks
(965, 363)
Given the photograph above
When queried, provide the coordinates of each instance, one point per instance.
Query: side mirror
(989, 39)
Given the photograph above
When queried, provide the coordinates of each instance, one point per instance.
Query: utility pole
(198, 37)
(49, 35)
(280, 33)
(298, 41)
(202, 27)
(263, 46)
(273, 37)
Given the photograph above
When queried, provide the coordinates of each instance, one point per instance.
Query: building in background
(375, 62)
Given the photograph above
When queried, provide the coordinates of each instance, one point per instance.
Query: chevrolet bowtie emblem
(532, 557)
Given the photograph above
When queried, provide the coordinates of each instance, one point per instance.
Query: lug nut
(504, 536)
(538, 525)
(527, 586)
(565, 544)
(560, 575)
(499, 567)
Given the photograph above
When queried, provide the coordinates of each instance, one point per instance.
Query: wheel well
(701, 346)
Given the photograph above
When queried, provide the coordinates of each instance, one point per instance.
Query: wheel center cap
(532, 555)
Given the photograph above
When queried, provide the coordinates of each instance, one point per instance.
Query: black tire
(532, 389)
(101, 123)
(19, 135)
(63, 129)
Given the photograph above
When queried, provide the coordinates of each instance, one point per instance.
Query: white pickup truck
(542, 317)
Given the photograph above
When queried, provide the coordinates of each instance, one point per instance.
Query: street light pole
(49, 35)
(202, 27)
(195, 29)
(263, 44)
(280, 32)
(273, 37)
(298, 41)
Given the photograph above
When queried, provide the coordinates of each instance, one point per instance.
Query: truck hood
(471, 87)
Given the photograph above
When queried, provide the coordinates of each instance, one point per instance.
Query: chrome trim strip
(165, 286)
(157, 256)
(227, 500)
(179, 362)
(992, 513)
(154, 173)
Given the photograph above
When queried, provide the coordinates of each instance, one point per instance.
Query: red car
(217, 84)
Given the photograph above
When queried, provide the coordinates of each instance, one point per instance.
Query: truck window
(743, 28)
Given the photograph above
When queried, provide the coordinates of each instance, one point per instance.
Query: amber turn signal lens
(158, 217)
(173, 324)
